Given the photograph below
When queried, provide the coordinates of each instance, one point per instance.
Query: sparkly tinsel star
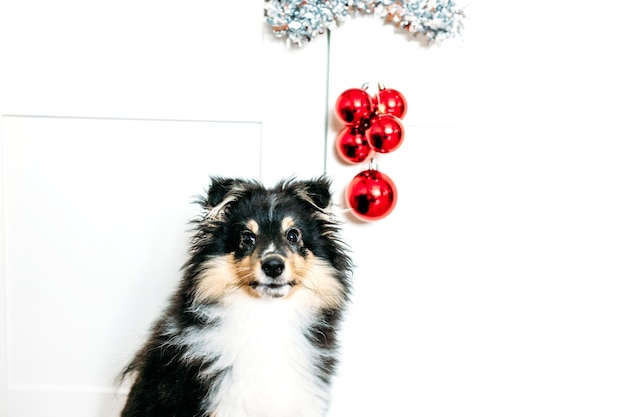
(302, 20)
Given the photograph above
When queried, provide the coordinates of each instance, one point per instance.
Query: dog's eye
(247, 238)
(293, 235)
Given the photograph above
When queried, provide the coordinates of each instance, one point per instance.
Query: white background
(495, 288)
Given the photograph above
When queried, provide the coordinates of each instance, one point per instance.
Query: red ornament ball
(385, 134)
(354, 106)
(390, 101)
(371, 195)
(352, 145)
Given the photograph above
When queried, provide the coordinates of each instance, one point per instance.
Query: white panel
(192, 60)
(497, 285)
(96, 215)
(132, 59)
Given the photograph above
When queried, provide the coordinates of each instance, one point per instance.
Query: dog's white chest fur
(262, 343)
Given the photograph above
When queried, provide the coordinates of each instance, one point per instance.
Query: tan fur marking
(245, 273)
(287, 223)
(223, 276)
(253, 226)
(214, 280)
(316, 284)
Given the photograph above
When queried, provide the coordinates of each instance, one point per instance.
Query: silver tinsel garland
(302, 20)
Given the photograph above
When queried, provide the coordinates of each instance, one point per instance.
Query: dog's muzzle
(275, 280)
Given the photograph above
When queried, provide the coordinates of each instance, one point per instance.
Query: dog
(252, 329)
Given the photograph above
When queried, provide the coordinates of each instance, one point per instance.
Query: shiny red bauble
(371, 195)
(352, 145)
(354, 106)
(385, 133)
(390, 101)
(372, 125)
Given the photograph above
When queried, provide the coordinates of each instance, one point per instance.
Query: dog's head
(269, 243)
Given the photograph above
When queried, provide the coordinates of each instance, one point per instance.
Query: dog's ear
(223, 193)
(218, 189)
(319, 191)
(315, 192)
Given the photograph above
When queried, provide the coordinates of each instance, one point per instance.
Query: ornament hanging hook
(373, 165)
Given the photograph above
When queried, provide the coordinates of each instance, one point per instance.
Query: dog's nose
(273, 266)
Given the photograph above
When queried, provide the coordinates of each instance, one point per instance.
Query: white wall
(495, 288)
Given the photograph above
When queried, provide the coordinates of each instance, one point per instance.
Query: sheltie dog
(252, 329)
